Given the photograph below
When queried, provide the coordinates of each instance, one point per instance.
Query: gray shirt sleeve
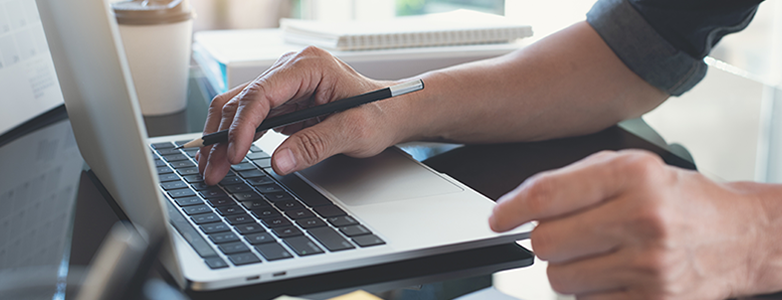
(663, 41)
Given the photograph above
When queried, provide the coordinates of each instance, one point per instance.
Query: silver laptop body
(414, 210)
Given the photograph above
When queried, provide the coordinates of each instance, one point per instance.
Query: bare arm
(570, 83)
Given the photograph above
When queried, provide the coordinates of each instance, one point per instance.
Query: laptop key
(159, 163)
(239, 219)
(178, 193)
(255, 148)
(274, 197)
(247, 196)
(231, 180)
(205, 218)
(287, 231)
(288, 205)
(182, 164)
(223, 237)
(213, 192)
(238, 188)
(354, 230)
(269, 188)
(164, 170)
(231, 248)
(196, 209)
(243, 167)
(299, 214)
(310, 223)
(257, 155)
(328, 211)
(263, 162)
(368, 240)
(214, 228)
(259, 238)
(168, 177)
(273, 251)
(170, 185)
(193, 178)
(330, 239)
(168, 151)
(255, 204)
(186, 201)
(249, 228)
(162, 145)
(229, 210)
(222, 201)
(302, 245)
(252, 174)
(342, 221)
(215, 262)
(276, 222)
(175, 157)
(187, 171)
(200, 186)
(191, 152)
(243, 258)
(259, 180)
(265, 213)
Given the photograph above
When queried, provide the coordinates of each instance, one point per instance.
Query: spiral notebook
(459, 27)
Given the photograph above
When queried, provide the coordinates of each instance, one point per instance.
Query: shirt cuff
(642, 49)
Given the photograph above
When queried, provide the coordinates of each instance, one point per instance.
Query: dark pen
(308, 113)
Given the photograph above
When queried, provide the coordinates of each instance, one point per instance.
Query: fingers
(584, 234)
(578, 186)
(345, 132)
(598, 274)
(213, 118)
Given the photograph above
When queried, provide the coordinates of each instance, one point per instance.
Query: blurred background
(751, 50)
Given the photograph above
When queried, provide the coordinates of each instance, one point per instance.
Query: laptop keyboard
(252, 215)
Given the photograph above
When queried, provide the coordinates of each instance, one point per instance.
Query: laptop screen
(28, 81)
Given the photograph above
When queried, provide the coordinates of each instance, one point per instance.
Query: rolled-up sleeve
(664, 41)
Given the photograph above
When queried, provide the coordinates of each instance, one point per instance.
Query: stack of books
(392, 49)
(459, 27)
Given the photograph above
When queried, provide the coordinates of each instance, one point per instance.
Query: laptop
(256, 226)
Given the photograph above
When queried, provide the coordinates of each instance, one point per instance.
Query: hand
(297, 80)
(623, 225)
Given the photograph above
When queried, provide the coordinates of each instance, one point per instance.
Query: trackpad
(389, 176)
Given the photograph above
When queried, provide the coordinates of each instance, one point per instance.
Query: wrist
(765, 255)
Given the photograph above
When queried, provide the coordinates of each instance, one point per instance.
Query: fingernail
(285, 161)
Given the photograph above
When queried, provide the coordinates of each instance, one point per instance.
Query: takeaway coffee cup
(157, 35)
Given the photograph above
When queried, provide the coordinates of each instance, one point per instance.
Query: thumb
(307, 147)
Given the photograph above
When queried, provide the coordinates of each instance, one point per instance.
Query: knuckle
(229, 108)
(312, 51)
(652, 223)
(641, 164)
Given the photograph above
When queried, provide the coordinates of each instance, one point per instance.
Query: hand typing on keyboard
(361, 132)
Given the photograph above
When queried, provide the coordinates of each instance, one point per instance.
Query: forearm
(567, 84)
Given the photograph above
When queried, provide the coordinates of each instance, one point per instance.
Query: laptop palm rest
(389, 176)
